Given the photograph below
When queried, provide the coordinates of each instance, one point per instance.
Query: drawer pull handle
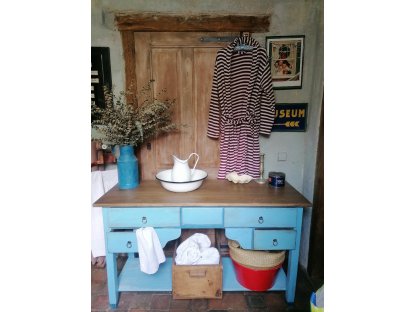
(144, 220)
(261, 220)
(197, 274)
(128, 244)
(275, 242)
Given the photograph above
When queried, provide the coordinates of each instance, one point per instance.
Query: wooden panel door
(183, 65)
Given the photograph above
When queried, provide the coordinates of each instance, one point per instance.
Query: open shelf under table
(132, 279)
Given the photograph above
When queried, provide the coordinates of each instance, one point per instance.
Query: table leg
(111, 266)
(293, 260)
(112, 279)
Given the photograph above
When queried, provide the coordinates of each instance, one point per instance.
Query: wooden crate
(197, 281)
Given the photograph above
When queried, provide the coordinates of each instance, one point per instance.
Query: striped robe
(242, 106)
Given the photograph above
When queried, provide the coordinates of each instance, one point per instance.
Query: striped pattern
(241, 107)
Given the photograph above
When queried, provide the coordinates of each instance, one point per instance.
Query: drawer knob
(261, 220)
(144, 220)
(275, 242)
(128, 244)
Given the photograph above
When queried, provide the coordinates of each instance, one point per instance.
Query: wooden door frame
(316, 242)
(128, 23)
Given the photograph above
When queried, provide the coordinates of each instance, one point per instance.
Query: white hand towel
(101, 182)
(187, 253)
(209, 256)
(196, 250)
(150, 250)
(200, 239)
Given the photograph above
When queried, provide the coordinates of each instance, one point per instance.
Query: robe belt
(246, 123)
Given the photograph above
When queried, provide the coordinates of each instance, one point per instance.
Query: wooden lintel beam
(205, 22)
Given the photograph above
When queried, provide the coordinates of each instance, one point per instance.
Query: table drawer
(202, 217)
(122, 242)
(197, 281)
(127, 241)
(140, 217)
(274, 239)
(259, 217)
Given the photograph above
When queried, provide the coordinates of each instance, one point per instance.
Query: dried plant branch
(122, 123)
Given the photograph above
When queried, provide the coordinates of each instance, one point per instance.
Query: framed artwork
(286, 60)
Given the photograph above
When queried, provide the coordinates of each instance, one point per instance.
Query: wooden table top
(211, 193)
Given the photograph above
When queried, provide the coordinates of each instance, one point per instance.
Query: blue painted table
(257, 216)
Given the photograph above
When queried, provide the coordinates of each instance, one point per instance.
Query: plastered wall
(288, 17)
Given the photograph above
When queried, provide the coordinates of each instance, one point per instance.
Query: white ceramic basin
(165, 178)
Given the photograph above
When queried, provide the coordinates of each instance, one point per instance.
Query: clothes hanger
(244, 47)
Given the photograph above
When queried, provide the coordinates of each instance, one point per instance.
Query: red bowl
(255, 279)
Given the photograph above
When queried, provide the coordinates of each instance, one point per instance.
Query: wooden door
(183, 65)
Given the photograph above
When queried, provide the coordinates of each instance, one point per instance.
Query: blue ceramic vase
(128, 168)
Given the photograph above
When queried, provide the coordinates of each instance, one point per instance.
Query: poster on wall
(100, 74)
(286, 61)
(290, 117)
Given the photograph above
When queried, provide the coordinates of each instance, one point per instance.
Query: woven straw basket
(255, 259)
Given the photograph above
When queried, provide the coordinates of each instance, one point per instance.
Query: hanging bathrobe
(242, 106)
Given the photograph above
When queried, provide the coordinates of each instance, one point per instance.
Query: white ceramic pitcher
(181, 171)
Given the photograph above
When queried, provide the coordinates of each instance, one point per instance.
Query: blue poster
(290, 117)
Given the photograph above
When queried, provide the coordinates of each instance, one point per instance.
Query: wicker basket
(255, 259)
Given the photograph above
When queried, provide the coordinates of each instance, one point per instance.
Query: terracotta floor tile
(160, 302)
(230, 300)
(275, 300)
(197, 305)
(255, 301)
(99, 302)
(139, 300)
(98, 275)
(98, 289)
(125, 300)
(180, 304)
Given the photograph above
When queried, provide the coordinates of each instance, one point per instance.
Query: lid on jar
(276, 174)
